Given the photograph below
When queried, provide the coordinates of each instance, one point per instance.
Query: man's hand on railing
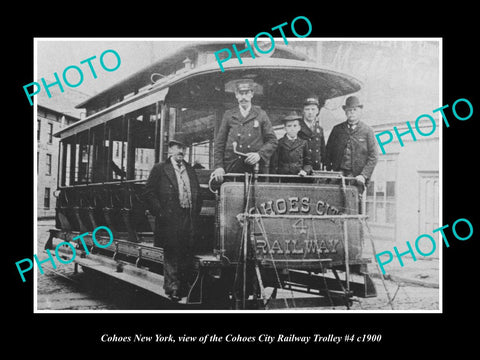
(252, 158)
(218, 174)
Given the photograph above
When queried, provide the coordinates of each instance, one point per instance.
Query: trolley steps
(320, 284)
(128, 273)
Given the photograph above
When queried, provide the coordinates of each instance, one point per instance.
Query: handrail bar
(322, 175)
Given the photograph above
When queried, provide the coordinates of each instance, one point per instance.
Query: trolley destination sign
(297, 205)
(295, 246)
(304, 223)
(300, 227)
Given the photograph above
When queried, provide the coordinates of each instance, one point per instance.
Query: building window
(49, 164)
(429, 200)
(381, 192)
(50, 133)
(38, 130)
(46, 198)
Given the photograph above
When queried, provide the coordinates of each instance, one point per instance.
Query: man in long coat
(250, 128)
(172, 193)
(351, 146)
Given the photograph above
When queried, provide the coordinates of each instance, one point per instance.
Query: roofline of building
(58, 111)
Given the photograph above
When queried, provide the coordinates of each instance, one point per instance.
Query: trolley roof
(167, 64)
(283, 83)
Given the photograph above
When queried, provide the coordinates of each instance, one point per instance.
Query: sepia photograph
(233, 175)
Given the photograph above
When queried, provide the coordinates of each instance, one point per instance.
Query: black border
(404, 332)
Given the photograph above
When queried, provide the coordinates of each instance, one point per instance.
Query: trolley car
(265, 241)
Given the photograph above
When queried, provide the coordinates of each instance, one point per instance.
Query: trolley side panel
(289, 232)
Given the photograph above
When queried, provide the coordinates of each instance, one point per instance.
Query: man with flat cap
(312, 132)
(249, 128)
(351, 146)
(172, 195)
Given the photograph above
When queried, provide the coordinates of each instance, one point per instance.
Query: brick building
(52, 115)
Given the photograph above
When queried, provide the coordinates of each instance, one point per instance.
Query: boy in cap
(292, 156)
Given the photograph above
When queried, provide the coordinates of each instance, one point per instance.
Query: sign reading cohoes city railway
(291, 227)
(296, 244)
(297, 205)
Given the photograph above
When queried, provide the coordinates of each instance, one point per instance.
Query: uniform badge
(318, 131)
(255, 123)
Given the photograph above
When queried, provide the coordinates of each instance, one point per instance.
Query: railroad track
(88, 290)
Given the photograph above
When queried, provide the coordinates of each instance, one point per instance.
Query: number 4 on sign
(300, 226)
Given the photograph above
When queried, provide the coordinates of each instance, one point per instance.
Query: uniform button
(310, 150)
(239, 135)
(248, 146)
(316, 150)
(316, 161)
(249, 134)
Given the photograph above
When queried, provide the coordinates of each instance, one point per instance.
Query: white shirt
(243, 111)
(352, 126)
(310, 124)
(184, 194)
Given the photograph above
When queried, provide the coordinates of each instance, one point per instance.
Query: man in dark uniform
(292, 156)
(351, 146)
(250, 128)
(172, 195)
(313, 132)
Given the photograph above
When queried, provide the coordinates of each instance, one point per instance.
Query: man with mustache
(250, 128)
(172, 195)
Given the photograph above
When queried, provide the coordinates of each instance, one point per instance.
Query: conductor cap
(244, 85)
(311, 100)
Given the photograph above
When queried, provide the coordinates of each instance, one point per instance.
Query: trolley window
(141, 143)
(120, 149)
(199, 126)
